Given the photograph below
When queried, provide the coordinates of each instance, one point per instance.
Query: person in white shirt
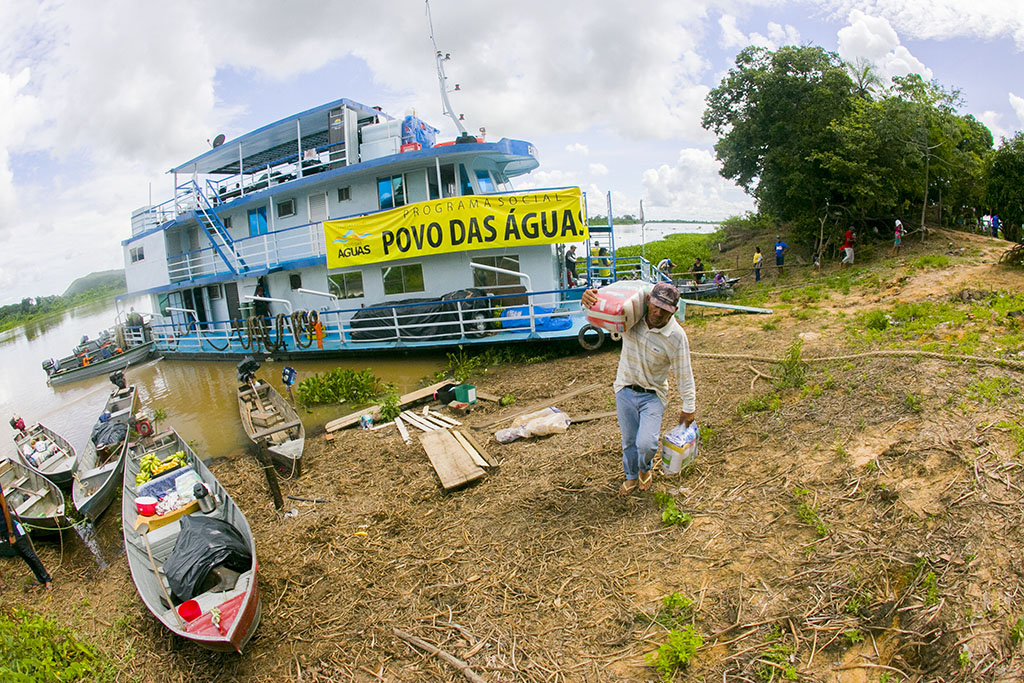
(650, 348)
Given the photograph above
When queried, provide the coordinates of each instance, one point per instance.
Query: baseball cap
(665, 296)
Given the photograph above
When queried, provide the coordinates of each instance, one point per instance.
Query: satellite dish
(219, 140)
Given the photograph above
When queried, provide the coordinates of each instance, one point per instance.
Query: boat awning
(224, 158)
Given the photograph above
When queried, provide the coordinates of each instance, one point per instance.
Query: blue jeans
(640, 423)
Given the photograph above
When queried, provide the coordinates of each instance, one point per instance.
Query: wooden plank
(417, 422)
(477, 458)
(537, 406)
(453, 464)
(440, 424)
(407, 399)
(269, 431)
(484, 396)
(444, 418)
(401, 429)
(592, 416)
(475, 443)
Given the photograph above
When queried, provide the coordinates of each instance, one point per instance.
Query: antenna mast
(441, 58)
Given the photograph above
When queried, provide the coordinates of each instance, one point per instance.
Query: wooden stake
(263, 457)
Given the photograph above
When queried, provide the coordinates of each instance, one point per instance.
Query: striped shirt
(648, 354)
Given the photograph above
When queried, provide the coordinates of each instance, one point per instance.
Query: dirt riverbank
(858, 523)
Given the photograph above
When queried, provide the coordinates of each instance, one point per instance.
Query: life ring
(589, 345)
(144, 428)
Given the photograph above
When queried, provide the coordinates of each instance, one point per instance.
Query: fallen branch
(459, 665)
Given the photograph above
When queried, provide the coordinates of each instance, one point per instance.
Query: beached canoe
(33, 499)
(271, 422)
(98, 478)
(223, 609)
(56, 460)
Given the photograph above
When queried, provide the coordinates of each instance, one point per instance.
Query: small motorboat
(113, 349)
(45, 451)
(270, 421)
(194, 566)
(32, 498)
(99, 469)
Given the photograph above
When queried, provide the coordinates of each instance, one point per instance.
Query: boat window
(488, 279)
(137, 254)
(432, 187)
(467, 186)
(391, 192)
(448, 180)
(286, 208)
(295, 280)
(346, 285)
(226, 220)
(213, 292)
(403, 279)
(483, 179)
(344, 194)
(416, 185)
(258, 221)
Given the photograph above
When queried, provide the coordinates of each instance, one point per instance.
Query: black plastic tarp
(104, 433)
(203, 544)
(426, 320)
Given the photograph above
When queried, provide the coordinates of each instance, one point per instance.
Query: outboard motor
(117, 379)
(247, 370)
(48, 367)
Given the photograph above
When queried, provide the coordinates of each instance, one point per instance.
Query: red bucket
(146, 505)
(189, 610)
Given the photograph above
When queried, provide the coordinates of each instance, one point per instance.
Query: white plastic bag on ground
(679, 448)
(546, 421)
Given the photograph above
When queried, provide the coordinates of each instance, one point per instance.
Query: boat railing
(465, 319)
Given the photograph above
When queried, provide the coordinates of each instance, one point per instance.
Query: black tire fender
(590, 345)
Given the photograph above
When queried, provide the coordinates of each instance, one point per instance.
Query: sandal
(646, 479)
(627, 487)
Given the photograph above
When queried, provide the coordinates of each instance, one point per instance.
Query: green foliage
(507, 400)
(670, 516)
(676, 609)
(1016, 430)
(759, 404)
(789, 374)
(1004, 191)
(682, 248)
(33, 648)
(913, 402)
(465, 364)
(339, 385)
(1017, 631)
(675, 654)
(854, 636)
(875, 320)
(389, 408)
(991, 390)
(930, 261)
(931, 589)
(964, 658)
(806, 512)
(779, 656)
(707, 435)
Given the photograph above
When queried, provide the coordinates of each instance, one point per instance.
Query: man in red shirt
(848, 248)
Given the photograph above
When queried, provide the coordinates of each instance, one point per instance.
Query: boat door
(231, 298)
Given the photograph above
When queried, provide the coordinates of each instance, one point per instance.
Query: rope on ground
(954, 357)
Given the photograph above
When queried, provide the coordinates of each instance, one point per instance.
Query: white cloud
(993, 120)
(598, 169)
(578, 148)
(1017, 103)
(777, 36)
(873, 38)
(692, 188)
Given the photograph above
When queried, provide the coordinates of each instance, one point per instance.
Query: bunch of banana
(151, 466)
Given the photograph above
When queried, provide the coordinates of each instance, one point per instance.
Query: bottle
(207, 503)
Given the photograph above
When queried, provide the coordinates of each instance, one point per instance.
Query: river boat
(33, 499)
(99, 469)
(56, 460)
(342, 229)
(113, 349)
(690, 289)
(224, 613)
(271, 422)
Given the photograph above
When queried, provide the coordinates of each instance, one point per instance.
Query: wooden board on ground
(475, 443)
(484, 396)
(454, 466)
(403, 401)
(592, 416)
(537, 406)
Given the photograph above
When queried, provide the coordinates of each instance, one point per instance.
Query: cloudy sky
(98, 99)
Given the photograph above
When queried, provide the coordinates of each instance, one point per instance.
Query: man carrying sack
(15, 534)
(650, 347)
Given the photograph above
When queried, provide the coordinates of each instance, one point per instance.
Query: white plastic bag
(679, 448)
(546, 421)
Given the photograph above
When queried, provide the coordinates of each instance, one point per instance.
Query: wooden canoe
(228, 612)
(33, 499)
(57, 463)
(98, 478)
(271, 422)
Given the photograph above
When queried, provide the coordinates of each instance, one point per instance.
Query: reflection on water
(197, 396)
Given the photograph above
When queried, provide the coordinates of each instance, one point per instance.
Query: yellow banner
(441, 226)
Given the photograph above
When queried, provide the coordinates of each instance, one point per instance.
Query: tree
(771, 113)
(1005, 191)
